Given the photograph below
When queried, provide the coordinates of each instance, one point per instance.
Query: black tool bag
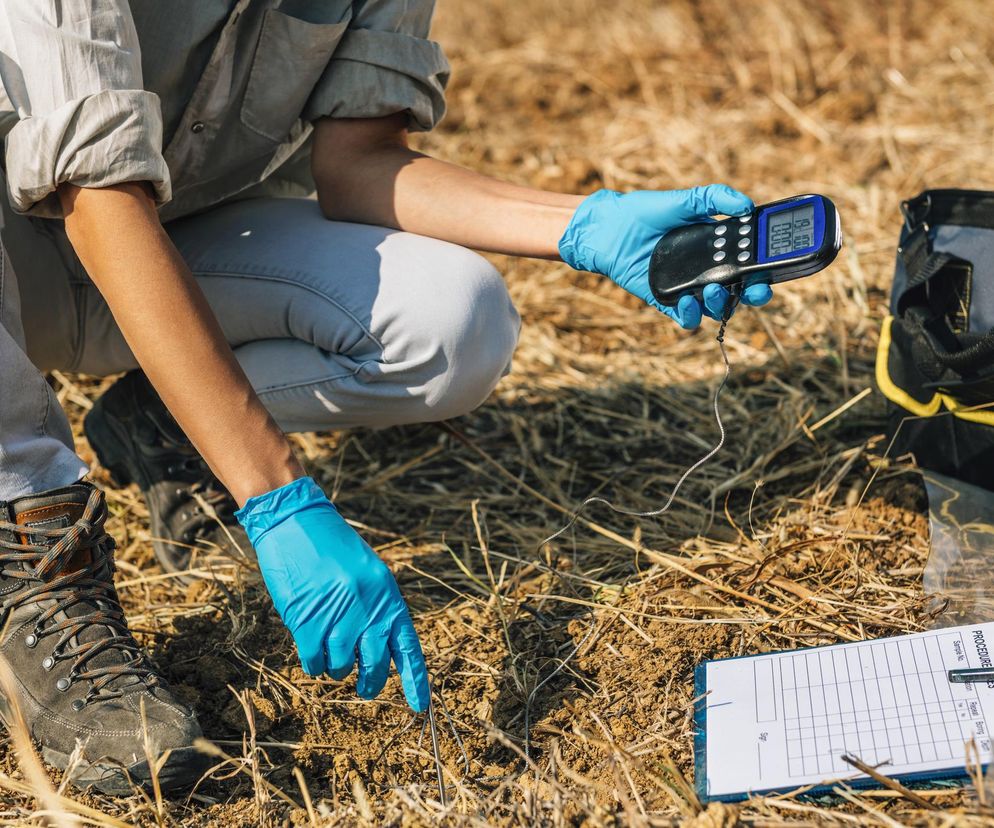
(935, 361)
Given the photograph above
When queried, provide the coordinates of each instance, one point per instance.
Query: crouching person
(156, 224)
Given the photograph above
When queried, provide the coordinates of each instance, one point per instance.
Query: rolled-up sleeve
(72, 72)
(385, 64)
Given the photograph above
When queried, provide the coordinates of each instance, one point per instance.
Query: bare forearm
(387, 183)
(175, 337)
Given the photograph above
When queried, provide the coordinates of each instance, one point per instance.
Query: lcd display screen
(788, 231)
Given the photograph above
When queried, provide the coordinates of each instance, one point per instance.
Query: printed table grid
(879, 701)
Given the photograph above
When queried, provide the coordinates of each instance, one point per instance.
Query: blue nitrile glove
(613, 234)
(332, 591)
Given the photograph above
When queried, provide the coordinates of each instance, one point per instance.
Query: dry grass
(566, 673)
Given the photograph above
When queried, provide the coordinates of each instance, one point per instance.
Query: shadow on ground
(459, 509)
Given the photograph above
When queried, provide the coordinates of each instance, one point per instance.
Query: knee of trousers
(468, 343)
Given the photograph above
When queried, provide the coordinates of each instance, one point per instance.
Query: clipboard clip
(967, 676)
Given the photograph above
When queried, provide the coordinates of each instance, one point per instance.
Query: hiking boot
(191, 515)
(73, 669)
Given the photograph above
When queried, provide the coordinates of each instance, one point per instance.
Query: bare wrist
(263, 479)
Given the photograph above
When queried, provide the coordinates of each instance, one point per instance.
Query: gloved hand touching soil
(335, 595)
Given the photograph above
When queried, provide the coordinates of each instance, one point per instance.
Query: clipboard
(775, 722)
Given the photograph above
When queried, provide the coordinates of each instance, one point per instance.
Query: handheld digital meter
(777, 242)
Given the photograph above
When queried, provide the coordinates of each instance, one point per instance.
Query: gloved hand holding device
(335, 595)
(614, 234)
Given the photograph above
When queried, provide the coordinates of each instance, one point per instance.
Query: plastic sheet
(959, 574)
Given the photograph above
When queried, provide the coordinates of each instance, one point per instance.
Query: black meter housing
(777, 242)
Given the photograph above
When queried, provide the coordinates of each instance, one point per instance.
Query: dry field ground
(566, 672)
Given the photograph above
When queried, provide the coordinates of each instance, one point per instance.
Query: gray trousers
(335, 324)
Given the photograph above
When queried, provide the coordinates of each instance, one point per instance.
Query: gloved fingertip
(340, 673)
(367, 690)
(374, 664)
(418, 695)
(340, 658)
(726, 200)
(757, 295)
(410, 661)
(715, 297)
(688, 312)
(313, 667)
(311, 659)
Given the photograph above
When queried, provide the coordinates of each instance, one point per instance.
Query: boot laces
(41, 568)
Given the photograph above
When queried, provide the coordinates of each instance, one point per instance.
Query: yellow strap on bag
(975, 413)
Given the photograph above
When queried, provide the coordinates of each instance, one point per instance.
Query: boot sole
(182, 770)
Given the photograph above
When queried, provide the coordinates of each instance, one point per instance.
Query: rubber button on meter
(744, 229)
(744, 219)
(719, 243)
(720, 229)
(719, 256)
(743, 256)
(745, 242)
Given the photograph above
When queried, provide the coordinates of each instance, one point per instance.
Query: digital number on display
(790, 230)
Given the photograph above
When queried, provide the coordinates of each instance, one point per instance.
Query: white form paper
(783, 720)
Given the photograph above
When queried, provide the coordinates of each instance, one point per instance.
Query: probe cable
(733, 300)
